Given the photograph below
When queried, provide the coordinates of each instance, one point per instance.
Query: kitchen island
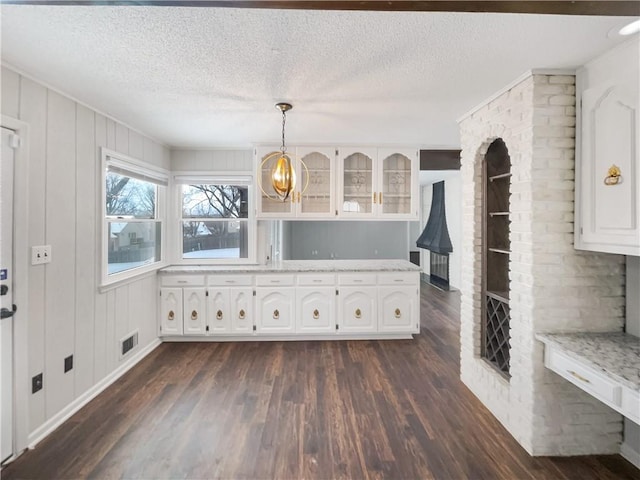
(290, 300)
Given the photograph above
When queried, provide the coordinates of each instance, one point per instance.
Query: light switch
(40, 254)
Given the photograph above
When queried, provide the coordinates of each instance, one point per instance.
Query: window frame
(142, 171)
(178, 179)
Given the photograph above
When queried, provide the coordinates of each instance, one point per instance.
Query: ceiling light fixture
(283, 175)
(630, 29)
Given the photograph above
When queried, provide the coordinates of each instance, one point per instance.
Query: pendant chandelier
(283, 174)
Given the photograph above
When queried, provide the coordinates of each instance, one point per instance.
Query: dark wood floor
(294, 410)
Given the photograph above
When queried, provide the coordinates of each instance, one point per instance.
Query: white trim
(262, 337)
(520, 79)
(20, 284)
(125, 162)
(138, 276)
(48, 86)
(630, 454)
(54, 422)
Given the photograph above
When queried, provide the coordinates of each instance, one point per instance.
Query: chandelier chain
(283, 147)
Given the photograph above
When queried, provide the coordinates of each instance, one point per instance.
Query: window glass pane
(129, 197)
(133, 244)
(215, 201)
(215, 239)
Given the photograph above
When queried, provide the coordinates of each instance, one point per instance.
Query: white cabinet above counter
(307, 299)
(343, 183)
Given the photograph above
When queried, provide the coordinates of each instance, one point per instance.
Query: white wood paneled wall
(67, 314)
(212, 160)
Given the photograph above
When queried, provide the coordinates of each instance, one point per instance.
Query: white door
(398, 310)
(241, 301)
(357, 310)
(315, 310)
(275, 310)
(218, 311)
(170, 311)
(194, 316)
(6, 299)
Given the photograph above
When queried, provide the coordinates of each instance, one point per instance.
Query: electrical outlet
(68, 363)
(36, 383)
(40, 254)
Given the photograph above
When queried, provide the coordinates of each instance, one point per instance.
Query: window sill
(133, 277)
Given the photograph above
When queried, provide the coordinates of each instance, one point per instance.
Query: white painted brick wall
(553, 288)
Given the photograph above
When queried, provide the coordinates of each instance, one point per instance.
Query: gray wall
(346, 240)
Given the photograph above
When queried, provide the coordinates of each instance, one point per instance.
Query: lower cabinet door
(357, 310)
(218, 311)
(315, 310)
(398, 310)
(170, 311)
(241, 311)
(195, 309)
(275, 308)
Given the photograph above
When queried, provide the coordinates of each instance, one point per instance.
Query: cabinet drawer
(321, 279)
(182, 280)
(631, 405)
(399, 278)
(357, 279)
(274, 280)
(230, 280)
(590, 381)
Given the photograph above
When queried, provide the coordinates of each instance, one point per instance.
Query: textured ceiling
(207, 77)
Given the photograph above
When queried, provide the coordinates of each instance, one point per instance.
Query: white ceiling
(209, 77)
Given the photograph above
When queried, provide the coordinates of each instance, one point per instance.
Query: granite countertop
(297, 266)
(616, 354)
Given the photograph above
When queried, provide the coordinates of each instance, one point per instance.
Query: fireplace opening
(439, 270)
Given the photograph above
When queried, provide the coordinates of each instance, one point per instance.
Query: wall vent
(128, 343)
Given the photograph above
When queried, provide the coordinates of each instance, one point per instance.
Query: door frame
(21, 262)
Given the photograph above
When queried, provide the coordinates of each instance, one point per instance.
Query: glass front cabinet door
(314, 192)
(380, 182)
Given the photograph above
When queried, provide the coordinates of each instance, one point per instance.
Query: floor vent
(128, 343)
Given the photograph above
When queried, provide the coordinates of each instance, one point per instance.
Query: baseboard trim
(54, 422)
(630, 454)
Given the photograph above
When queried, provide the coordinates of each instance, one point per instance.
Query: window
(133, 196)
(215, 221)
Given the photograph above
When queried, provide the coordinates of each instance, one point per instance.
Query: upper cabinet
(378, 183)
(342, 183)
(607, 160)
(314, 193)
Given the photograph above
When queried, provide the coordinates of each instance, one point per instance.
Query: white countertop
(296, 266)
(616, 354)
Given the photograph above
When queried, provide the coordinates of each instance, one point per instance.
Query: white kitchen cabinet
(378, 183)
(315, 309)
(607, 205)
(314, 194)
(171, 311)
(275, 307)
(357, 310)
(398, 295)
(230, 304)
(194, 311)
(219, 311)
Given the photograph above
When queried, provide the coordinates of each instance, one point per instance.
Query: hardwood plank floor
(294, 410)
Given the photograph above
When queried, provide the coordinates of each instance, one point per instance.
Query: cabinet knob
(241, 314)
(194, 315)
(316, 314)
(358, 313)
(276, 314)
(397, 312)
(171, 315)
(219, 315)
